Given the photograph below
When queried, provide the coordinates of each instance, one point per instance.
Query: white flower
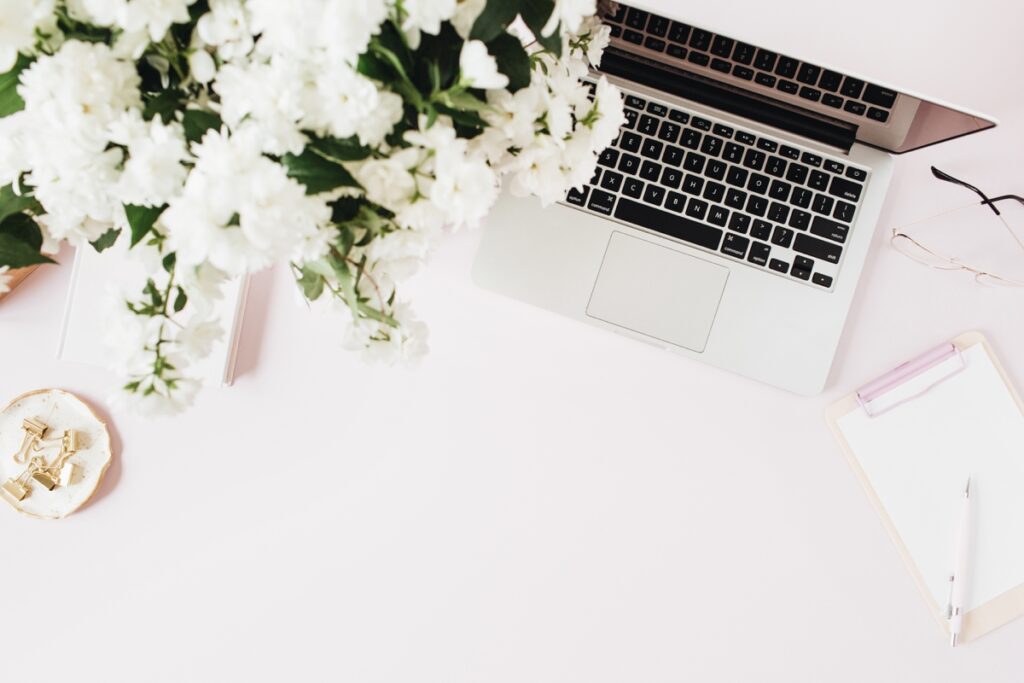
(387, 181)
(201, 66)
(597, 36)
(425, 16)
(5, 279)
(466, 15)
(226, 27)
(569, 14)
(156, 397)
(265, 98)
(400, 253)
(343, 103)
(19, 21)
(153, 17)
(379, 123)
(464, 189)
(153, 173)
(197, 338)
(299, 28)
(610, 116)
(478, 68)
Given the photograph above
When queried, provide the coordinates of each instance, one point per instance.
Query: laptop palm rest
(657, 291)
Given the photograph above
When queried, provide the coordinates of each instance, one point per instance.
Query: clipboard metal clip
(871, 394)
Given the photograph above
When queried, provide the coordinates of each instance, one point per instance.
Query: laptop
(730, 220)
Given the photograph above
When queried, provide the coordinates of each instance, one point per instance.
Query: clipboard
(947, 379)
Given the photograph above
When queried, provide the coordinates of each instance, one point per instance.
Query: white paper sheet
(918, 456)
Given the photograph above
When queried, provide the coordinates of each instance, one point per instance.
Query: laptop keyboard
(719, 187)
(723, 57)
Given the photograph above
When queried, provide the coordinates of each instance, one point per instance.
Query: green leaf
(495, 18)
(10, 100)
(469, 119)
(340, 149)
(180, 300)
(316, 172)
(23, 228)
(169, 261)
(17, 253)
(164, 104)
(512, 60)
(106, 240)
(141, 219)
(312, 284)
(373, 314)
(11, 203)
(197, 122)
(536, 14)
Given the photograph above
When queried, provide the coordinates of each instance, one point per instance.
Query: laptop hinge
(707, 91)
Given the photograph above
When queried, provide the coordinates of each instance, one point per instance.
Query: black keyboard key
(830, 80)
(833, 166)
(694, 162)
(711, 146)
(669, 224)
(631, 116)
(715, 169)
(877, 95)
(759, 252)
(700, 123)
(713, 191)
(790, 152)
(609, 157)
(718, 215)
(673, 156)
(676, 51)
(696, 208)
(657, 108)
(629, 163)
(808, 93)
(691, 139)
(611, 181)
(797, 173)
(782, 237)
(762, 230)
(596, 177)
(799, 219)
(658, 25)
(818, 180)
(723, 130)
(876, 114)
(656, 44)
(578, 197)
(776, 166)
(811, 159)
(764, 79)
(735, 245)
(671, 177)
(758, 183)
(852, 87)
(631, 36)
(636, 18)
(823, 280)
(829, 229)
(856, 173)
(767, 145)
(698, 58)
(786, 67)
(650, 170)
(652, 149)
(765, 60)
(739, 222)
(844, 211)
(754, 159)
(800, 273)
(633, 188)
(678, 116)
(630, 141)
(854, 107)
(669, 131)
(679, 33)
(803, 262)
(788, 87)
(735, 198)
(779, 190)
(778, 212)
(720, 65)
(615, 31)
(757, 206)
(648, 125)
(601, 202)
(736, 176)
(746, 138)
(845, 189)
(822, 204)
(833, 101)
(819, 249)
(778, 266)
(733, 152)
(654, 195)
(693, 184)
(700, 39)
(808, 74)
(675, 202)
(744, 53)
(742, 72)
(722, 46)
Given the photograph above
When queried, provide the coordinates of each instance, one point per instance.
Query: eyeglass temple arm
(942, 175)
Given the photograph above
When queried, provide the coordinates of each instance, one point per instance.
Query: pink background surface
(540, 500)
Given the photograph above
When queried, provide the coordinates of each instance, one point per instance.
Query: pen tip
(967, 489)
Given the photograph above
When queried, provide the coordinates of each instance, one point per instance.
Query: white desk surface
(540, 501)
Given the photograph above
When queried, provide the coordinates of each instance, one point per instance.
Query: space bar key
(669, 224)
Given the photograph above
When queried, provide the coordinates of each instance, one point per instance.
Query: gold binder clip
(69, 444)
(67, 474)
(15, 489)
(44, 478)
(34, 430)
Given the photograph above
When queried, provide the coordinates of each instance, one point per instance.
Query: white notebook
(93, 278)
(915, 441)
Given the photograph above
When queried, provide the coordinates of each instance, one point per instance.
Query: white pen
(958, 579)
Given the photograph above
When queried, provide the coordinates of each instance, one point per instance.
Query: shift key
(819, 249)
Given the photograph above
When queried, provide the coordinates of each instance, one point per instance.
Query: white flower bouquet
(219, 137)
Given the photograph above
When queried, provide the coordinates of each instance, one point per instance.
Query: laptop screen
(774, 88)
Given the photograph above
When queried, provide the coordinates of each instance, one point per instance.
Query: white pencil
(958, 579)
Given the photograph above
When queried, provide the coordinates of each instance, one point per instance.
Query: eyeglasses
(989, 219)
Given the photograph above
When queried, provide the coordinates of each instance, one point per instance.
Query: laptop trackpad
(657, 291)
